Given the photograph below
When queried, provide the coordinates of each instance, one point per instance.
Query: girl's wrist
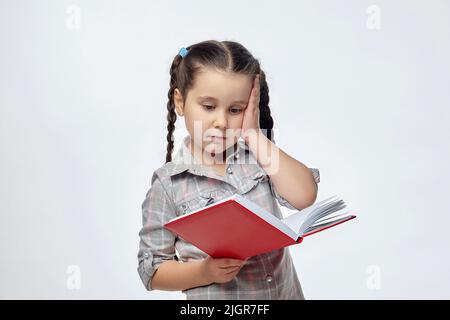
(257, 139)
(251, 136)
(204, 274)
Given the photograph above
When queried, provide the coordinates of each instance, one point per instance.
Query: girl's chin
(214, 149)
(217, 147)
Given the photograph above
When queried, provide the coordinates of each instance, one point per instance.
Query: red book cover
(238, 228)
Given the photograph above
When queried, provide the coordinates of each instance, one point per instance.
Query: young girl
(221, 91)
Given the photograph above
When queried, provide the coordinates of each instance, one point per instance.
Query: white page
(323, 225)
(323, 211)
(332, 217)
(297, 219)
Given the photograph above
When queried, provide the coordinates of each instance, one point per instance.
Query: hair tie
(183, 52)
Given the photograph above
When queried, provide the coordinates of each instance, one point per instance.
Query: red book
(236, 227)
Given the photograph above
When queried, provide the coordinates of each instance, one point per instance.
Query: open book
(236, 227)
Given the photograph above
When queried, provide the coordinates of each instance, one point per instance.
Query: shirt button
(269, 278)
(206, 195)
(146, 255)
(229, 170)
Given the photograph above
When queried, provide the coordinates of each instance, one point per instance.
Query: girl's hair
(221, 55)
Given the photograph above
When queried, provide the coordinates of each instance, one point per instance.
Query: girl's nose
(220, 122)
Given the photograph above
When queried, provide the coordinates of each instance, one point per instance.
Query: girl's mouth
(218, 138)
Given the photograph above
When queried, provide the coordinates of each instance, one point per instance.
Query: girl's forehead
(206, 75)
(216, 84)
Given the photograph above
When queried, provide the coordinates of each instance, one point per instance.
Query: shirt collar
(184, 160)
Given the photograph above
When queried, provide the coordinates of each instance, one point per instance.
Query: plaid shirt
(184, 185)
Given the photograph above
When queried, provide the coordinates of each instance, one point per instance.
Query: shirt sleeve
(157, 244)
(282, 201)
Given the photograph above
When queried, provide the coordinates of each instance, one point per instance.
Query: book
(236, 227)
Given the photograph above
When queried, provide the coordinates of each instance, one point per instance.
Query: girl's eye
(232, 110)
(208, 107)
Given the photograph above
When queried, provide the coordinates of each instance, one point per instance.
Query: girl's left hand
(250, 122)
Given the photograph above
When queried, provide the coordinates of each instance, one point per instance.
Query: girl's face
(213, 111)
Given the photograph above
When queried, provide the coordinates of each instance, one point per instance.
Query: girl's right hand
(222, 270)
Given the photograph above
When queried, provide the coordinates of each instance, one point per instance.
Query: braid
(171, 115)
(265, 119)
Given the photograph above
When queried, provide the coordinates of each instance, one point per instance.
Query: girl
(221, 91)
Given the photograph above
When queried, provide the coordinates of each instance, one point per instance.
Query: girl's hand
(250, 122)
(221, 270)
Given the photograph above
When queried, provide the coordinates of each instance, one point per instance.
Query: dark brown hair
(228, 56)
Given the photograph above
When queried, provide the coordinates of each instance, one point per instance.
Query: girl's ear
(178, 101)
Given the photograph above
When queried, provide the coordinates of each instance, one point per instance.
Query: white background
(83, 127)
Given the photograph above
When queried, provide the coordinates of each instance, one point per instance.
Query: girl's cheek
(237, 121)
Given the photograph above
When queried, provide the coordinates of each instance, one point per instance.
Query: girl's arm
(292, 179)
(176, 276)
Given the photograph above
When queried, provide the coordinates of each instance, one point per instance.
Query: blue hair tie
(183, 52)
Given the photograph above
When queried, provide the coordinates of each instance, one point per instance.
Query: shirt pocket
(252, 181)
(201, 200)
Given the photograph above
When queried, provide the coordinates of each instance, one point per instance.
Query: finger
(231, 261)
(257, 87)
(254, 95)
(230, 266)
(232, 271)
